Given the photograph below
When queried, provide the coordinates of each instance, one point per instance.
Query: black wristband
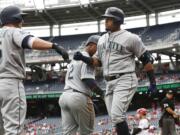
(54, 46)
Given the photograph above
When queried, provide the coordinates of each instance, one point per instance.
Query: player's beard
(108, 30)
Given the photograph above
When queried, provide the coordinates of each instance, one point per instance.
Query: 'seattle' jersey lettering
(117, 52)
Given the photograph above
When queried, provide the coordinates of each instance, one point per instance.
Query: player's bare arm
(91, 83)
(39, 44)
(147, 62)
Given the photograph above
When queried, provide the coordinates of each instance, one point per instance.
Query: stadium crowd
(47, 126)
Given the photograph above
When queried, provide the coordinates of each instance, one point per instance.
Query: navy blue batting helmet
(11, 14)
(115, 13)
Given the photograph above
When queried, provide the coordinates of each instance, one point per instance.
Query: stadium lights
(160, 91)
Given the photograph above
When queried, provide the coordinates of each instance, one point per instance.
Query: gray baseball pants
(12, 105)
(119, 93)
(77, 113)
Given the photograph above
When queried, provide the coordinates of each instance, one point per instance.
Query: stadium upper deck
(158, 38)
(45, 12)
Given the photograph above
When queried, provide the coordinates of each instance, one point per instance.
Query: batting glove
(78, 56)
(59, 49)
(85, 59)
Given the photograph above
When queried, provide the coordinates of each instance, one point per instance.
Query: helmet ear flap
(18, 18)
(117, 22)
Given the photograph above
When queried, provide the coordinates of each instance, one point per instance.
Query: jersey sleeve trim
(25, 42)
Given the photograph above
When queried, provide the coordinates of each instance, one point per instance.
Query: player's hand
(102, 96)
(59, 49)
(78, 56)
(101, 93)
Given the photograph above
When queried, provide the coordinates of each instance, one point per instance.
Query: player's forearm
(147, 61)
(40, 44)
(93, 86)
(92, 61)
(150, 72)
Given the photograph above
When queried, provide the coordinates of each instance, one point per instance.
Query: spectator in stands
(143, 128)
(13, 41)
(168, 115)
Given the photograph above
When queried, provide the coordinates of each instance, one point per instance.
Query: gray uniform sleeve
(87, 72)
(100, 48)
(98, 52)
(137, 46)
(20, 38)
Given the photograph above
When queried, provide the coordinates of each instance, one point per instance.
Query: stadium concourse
(46, 70)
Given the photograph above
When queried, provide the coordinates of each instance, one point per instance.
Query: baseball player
(116, 53)
(77, 109)
(13, 41)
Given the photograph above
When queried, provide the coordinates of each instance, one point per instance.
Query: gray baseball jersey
(13, 59)
(77, 70)
(117, 51)
(12, 71)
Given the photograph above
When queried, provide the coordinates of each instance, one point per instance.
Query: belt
(116, 76)
(81, 93)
